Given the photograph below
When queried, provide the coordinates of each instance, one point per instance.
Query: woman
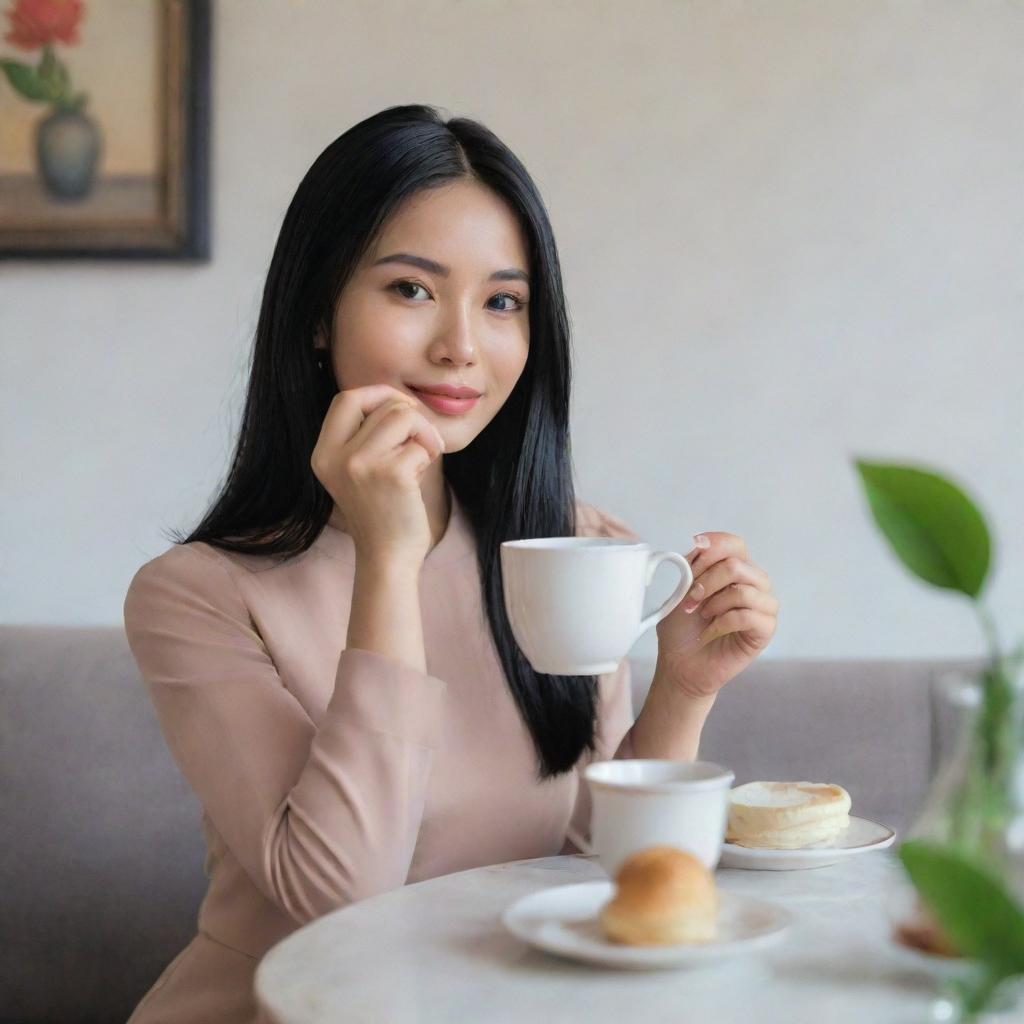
(328, 651)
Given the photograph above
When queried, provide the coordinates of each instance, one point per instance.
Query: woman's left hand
(736, 613)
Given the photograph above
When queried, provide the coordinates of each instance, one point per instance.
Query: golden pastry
(663, 896)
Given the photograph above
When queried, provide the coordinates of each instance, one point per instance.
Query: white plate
(860, 836)
(564, 920)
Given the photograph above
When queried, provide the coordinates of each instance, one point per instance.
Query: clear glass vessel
(975, 803)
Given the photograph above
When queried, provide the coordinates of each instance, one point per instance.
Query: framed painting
(104, 129)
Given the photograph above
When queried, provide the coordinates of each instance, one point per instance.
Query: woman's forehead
(459, 225)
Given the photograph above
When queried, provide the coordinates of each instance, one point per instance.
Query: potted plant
(965, 853)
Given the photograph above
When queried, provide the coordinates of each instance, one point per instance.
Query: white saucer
(860, 836)
(563, 920)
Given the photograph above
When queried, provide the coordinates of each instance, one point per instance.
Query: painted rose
(36, 23)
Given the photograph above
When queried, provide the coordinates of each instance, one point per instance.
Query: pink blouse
(328, 775)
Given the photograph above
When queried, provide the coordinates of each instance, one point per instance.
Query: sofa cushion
(103, 881)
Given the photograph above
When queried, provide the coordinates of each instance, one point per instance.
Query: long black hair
(514, 479)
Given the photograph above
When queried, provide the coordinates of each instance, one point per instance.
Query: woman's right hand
(373, 449)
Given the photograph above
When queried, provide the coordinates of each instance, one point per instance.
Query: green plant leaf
(25, 80)
(973, 906)
(930, 523)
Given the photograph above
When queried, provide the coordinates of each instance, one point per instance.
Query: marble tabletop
(437, 951)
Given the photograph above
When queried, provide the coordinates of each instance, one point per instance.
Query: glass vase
(975, 805)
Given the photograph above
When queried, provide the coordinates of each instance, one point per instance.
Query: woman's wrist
(387, 567)
(671, 721)
(385, 614)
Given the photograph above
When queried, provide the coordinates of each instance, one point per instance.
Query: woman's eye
(405, 287)
(519, 303)
(398, 285)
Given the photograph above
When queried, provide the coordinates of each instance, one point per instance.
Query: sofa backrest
(103, 867)
(103, 863)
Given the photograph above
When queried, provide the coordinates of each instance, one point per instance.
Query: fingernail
(701, 540)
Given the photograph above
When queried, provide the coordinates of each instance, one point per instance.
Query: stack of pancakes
(786, 815)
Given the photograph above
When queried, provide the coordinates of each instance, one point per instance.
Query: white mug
(575, 603)
(638, 803)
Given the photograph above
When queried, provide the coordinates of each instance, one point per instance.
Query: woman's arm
(670, 723)
(318, 814)
(385, 615)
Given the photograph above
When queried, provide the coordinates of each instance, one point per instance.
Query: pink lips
(446, 398)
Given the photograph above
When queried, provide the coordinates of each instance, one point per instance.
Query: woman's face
(457, 317)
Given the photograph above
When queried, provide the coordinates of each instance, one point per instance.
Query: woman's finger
(759, 626)
(730, 570)
(738, 595)
(396, 425)
(720, 545)
(348, 410)
(412, 458)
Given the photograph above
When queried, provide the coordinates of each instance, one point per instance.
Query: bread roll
(786, 815)
(663, 896)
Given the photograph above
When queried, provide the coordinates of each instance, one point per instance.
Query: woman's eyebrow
(509, 274)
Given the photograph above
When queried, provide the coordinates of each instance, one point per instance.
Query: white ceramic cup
(575, 604)
(639, 803)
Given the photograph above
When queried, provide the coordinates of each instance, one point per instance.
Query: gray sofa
(102, 863)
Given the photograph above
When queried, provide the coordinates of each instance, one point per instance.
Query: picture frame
(152, 202)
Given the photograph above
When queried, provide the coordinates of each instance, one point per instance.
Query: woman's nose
(455, 341)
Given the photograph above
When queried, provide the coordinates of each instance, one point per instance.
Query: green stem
(988, 626)
(980, 808)
(972, 994)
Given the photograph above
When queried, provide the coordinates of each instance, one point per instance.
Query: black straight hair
(514, 479)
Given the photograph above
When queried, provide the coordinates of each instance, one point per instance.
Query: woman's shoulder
(197, 558)
(184, 574)
(202, 573)
(595, 521)
(184, 560)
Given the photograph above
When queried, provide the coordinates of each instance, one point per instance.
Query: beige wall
(791, 232)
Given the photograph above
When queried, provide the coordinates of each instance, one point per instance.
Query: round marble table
(437, 951)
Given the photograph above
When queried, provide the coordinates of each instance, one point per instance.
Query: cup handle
(581, 844)
(655, 558)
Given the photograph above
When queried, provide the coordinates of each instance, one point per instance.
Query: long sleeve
(318, 817)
